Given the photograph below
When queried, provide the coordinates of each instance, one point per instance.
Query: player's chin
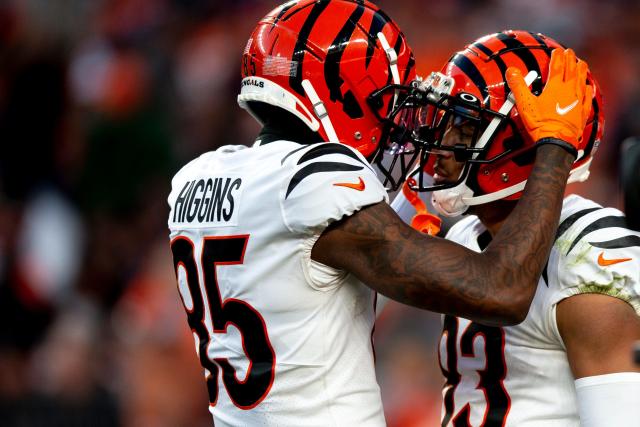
(440, 179)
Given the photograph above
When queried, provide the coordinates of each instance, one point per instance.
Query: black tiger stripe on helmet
(299, 50)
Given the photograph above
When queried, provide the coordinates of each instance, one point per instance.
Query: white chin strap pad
(451, 202)
(262, 90)
(455, 201)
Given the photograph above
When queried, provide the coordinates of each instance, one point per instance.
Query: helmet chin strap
(392, 57)
(320, 111)
(579, 174)
(455, 201)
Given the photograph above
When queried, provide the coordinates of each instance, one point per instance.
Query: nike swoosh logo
(356, 186)
(605, 262)
(565, 110)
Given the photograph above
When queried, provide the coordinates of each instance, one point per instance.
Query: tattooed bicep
(376, 245)
(353, 235)
(386, 254)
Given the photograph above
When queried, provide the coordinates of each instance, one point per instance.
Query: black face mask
(396, 154)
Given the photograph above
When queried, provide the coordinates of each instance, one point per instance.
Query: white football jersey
(520, 375)
(284, 341)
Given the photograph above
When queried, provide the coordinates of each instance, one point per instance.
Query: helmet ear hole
(513, 142)
(351, 106)
(525, 159)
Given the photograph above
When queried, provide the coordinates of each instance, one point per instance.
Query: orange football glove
(561, 111)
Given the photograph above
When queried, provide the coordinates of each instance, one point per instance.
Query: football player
(279, 249)
(569, 363)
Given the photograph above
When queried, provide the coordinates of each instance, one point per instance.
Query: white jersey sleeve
(466, 232)
(405, 210)
(327, 182)
(595, 253)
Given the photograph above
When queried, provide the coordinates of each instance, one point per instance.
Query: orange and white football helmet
(342, 67)
(471, 89)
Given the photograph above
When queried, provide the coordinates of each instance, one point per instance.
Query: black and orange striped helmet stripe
(336, 50)
(470, 69)
(379, 21)
(300, 47)
(524, 52)
(521, 51)
(546, 49)
(283, 11)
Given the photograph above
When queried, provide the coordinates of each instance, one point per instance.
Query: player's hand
(562, 109)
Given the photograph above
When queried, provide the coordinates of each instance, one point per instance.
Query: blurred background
(101, 102)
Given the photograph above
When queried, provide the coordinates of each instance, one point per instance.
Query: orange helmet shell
(334, 44)
(479, 70)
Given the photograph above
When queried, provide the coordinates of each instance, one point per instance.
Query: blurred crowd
(101, 101)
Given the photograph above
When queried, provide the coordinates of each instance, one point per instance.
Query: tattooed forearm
(494, 287)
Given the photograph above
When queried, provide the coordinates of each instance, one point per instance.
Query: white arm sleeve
(327, 182)
(403, 207)
(609, 400)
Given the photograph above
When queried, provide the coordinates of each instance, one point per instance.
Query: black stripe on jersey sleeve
(562, 228)
(318, 167)
(571, 219)
(599, 224)
(292, 152)
(329, 148)
(620, 242)
(484, 239)
(545, 274)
